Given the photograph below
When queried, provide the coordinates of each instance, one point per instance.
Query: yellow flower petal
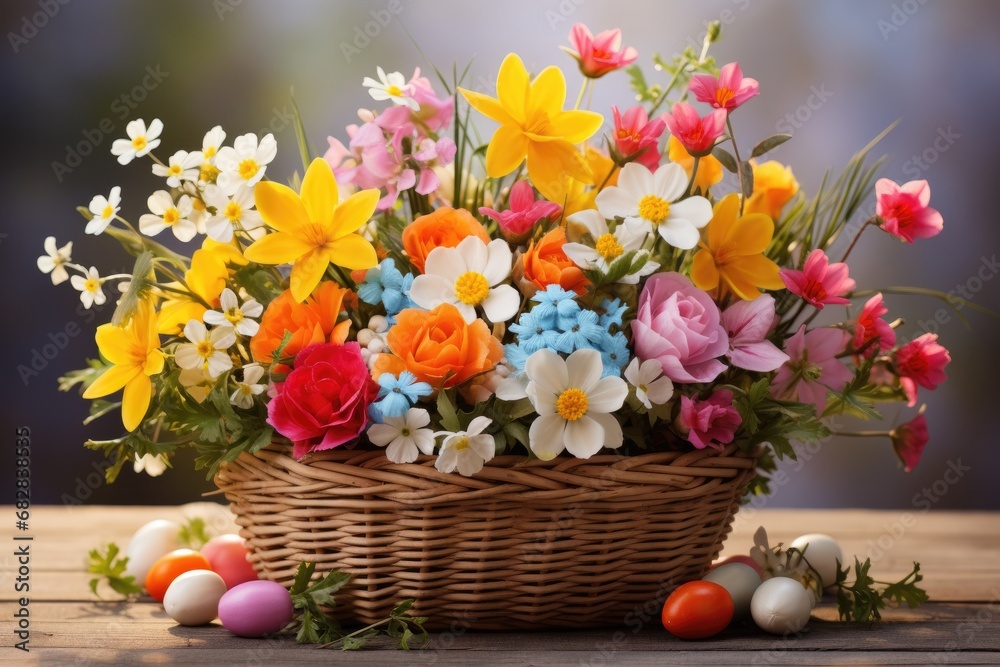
(112, 380)
(277, 248)
(704, 273)
(135, 401)
(352, 213)
(750, 235)
(114, 343)
(746, 274)
(353, 252)
(279, 206)
(319, 192)
(154, 363)
(307, 271)
(550, 162)
(547, 93)
(506, 151)
(512, 87)
(723, 216)
(576, 126)
(175, 314)
(488, 106)
(709, 168)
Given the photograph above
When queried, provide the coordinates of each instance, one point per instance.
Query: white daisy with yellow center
(469, 276)
(467, 451)
(651, 386)
(249, 387)
(182, 166)
(233, 316)
(206, 351)
(89, 286)
(607, 246)
(244, 162)
(648, 201)
(575, 405)
(165, 214)
(404, 437)
(391, 86)
(235, 213)
(103, 209)
(141, 140)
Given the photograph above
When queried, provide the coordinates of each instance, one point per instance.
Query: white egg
(193, 597)
(781, 605)
(148, 544)
(822, 552)
(740, 580)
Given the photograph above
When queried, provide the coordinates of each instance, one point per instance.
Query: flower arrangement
(563, 288)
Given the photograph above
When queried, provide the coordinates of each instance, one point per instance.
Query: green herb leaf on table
(105, 563)
(193, 534)
(864, 598)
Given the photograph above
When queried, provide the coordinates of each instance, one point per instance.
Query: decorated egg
(193, 597)
(227, 555)
(822, 552)
(148, 544)
(740, 580)
(781, 605)
(256, 608)
(171, 566)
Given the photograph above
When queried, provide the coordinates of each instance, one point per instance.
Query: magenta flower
(600, 54)
(519, 221)
(680, 326)
(709, 423)
(921, 362)
(813, 369)
(819, 282)
(904, 210)
(695, 133)
(748, 323)
(869, 326)
(636, 135)
(728, 91)
(909, 440)
(435, 113)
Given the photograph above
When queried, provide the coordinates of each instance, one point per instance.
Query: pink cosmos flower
(909, 440)
(869, 326)
(904, 210)
(728, 91)
(695, 133)
(710, 423)
(819, 282)
(524, 212)
(748, 323)
(813, 368)
(921, 362)
(635, 134)
(680, 326)
(600, 54)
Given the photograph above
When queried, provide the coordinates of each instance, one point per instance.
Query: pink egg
(256, 608)
(228, 556)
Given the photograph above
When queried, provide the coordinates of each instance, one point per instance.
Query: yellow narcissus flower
(206, 279)
(135, 352)
(774, 185)
(533, 125)
(731, 257)
(709, 168)
(313, 229)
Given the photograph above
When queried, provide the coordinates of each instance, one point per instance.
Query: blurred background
(833, 74)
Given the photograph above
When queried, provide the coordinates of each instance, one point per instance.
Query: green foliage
(865, 597)
(105, 563)
(138, 289)
(193, 533)
(726, 158)
(83, 377)
(769, 144)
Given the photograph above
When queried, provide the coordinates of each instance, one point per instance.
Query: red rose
(323, 403)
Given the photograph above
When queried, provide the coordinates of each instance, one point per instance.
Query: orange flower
(709, 168)
(439, 347)
(545, 263)
(774, 185)
(312, 321)
(444, 228)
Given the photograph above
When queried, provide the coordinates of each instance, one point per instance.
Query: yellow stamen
(205, 349)
(234, 315)
(248, 168)
(572, 404)
(171, 216)
(91, 285)
(174, 170)
(472, 288)
(394, 91)
(209, 152)
(208, 173)
(139, 143)
(462, 444)
(724, 95)
(653, 208)
(108, 211)
(608, 247)
(233, 211)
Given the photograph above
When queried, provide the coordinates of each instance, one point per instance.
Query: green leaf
(769, 144)
(300, 133)
(104, 563)
(99, 408)
(726, 158)
(449, 415)
(865, 597)
(193, 534)
(137, 291)
(747, 183)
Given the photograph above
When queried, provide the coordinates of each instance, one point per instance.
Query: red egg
(228, 556)
(746, 560)
(697, 610)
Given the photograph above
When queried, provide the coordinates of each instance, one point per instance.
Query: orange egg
(171, 566)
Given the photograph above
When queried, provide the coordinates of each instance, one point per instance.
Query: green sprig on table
(863, 599)
(104, 562)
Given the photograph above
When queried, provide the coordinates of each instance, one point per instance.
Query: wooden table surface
(959, 553)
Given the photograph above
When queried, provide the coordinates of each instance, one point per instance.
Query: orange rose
(439, 347)
(313, 321)
(545, 263)
(444, 228)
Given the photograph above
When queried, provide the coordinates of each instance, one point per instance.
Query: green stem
(863, 434)
(670, 86)
(694, 174)
(739, 162)
(854, 242)
(583, 89)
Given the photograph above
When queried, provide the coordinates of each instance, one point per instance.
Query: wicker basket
(522, 545)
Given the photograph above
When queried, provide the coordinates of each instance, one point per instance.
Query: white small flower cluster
(372, 339)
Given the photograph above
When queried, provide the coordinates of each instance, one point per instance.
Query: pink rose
(323, 403)
(680, 326)
(709, 423)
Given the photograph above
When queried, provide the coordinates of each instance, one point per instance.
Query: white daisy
(234, 317)
(140, 140)
(607, 246)
(197, 382)
(90, 288)
(154, 465)
(245, 161)
(249, 387)
(55, 259)
(467, 450)
(182, 166)
(104, 209)
(212, 143)
(391, 86)
(230, 214)
(206, 350)
(404, 437)
(647, 200)
(469, 276)
(574, 404)
(165, 214)
(651, 386)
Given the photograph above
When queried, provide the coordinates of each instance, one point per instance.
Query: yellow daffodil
(205, 279)
(774, 185)
(574, 195)
(313, 229)
(533, 125)
(731, 258)
(709, 168)
(135, 352)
